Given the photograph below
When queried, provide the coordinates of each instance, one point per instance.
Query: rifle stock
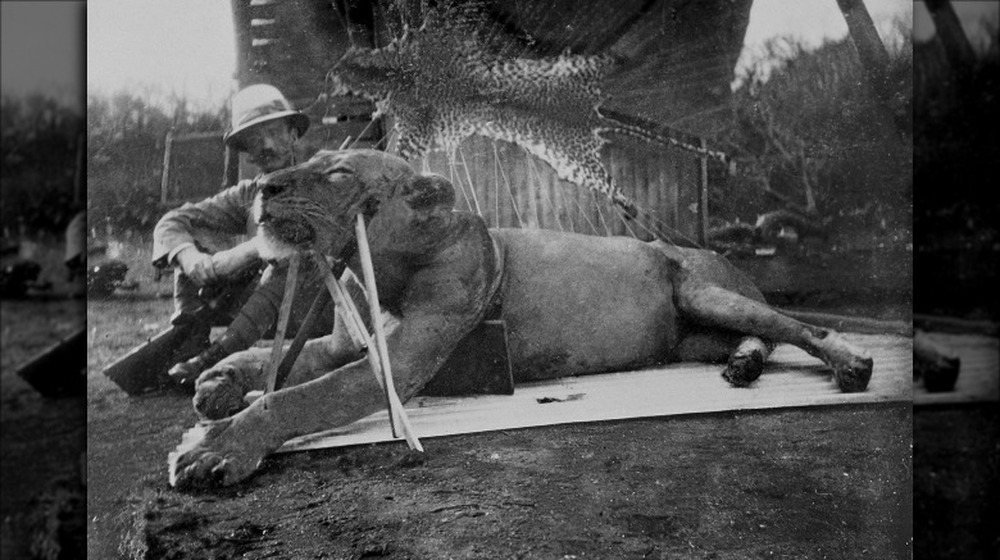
(60, 369)
(144, 368)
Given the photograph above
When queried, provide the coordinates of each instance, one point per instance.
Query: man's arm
(227, 212)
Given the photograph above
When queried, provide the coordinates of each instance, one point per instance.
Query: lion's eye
(337, 173)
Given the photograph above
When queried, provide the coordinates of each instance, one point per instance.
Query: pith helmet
(257, 104)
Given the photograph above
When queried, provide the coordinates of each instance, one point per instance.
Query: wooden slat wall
(515, 189)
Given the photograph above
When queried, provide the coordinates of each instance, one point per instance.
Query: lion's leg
(220, 390)
(714, 306)
(228, 450)
(706, 345)
(433, 323)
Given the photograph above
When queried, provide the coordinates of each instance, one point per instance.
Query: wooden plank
(615, 169)
(791, 379)
(687, 195)
(652, 166)
(531, 188)
(977, 376)
(644, 185)
(480, 156)
(670, 196)
(702, 197)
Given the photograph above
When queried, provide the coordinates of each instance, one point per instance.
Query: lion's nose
(270, 190)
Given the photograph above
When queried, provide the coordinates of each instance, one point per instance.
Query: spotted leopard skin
(441, 85)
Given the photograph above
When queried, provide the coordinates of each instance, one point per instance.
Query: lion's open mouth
(292, 232)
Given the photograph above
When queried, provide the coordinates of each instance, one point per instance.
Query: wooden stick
(317, 308)
(359, 334)
(352, 319)
(374, 308)
(284, 312)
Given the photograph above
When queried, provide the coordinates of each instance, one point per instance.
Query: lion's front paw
(218, 394)
(214, 454)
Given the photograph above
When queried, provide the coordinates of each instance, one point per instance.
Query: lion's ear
(427, 193)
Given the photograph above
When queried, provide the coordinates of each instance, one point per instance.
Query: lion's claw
(212, 455)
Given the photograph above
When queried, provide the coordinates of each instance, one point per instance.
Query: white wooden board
(791, 378)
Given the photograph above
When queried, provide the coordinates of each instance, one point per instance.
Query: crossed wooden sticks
(279, 368)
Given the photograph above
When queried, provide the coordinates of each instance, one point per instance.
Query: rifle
(61, 369)
(144, 368)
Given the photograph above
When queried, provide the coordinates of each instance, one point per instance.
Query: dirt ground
(808, 483)
(956, 481)
(811, 483)
(42, 439)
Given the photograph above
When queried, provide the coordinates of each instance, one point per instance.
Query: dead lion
(573, 304)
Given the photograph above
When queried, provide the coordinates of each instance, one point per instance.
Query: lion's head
(314, 205)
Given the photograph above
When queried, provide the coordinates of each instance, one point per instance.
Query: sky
(41, 50)
(812, 22)
(183, 47)
(137, 43)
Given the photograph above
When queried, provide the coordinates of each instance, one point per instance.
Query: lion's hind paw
(743, 369)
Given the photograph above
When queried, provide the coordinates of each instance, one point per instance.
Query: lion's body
(576, 304)
(573, 304)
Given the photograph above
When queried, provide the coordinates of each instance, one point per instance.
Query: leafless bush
(125, 142)
(813, 137)
(40, 138)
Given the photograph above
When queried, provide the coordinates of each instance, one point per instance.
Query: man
(214, 285)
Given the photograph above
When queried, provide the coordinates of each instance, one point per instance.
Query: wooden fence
(510, 188)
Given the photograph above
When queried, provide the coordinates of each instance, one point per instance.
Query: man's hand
(231, 261)
(198, 266)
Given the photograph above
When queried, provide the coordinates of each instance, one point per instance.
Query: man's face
(270, 145)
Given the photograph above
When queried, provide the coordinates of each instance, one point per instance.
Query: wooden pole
(165, 179)
(874, 57)
(702, 197)
(374, 308)
(358, 333)
(352, 319)
(231, 169)
(318, 307)
(284, 313)
(957, 47)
